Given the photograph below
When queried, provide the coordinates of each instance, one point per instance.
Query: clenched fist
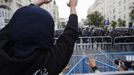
(72, 3)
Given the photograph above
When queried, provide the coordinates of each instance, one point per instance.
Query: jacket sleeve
(4, 33)
(95, 69)
(63, 48)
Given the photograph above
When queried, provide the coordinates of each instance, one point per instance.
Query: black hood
(31, 28)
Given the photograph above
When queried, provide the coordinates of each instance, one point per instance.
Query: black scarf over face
(31, 28)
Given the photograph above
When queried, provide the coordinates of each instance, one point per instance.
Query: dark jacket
(47, 61)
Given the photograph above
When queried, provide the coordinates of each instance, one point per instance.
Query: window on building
(130, 7)
(119, 3)
(8, 15)
(114, 11)
(114, 17)
(124, 16)
(5, 14)
(2, 14)
(19, 1)
(124, 8)
(113, 2)
(124, 1)
(119, 12)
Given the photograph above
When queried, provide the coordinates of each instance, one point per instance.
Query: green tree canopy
(113, 24)
(131, 14)
(121, 23)
(95, 19)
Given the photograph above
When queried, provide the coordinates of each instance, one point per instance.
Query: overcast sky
(82, 8)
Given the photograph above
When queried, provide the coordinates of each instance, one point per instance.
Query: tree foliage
(113, 24)
(131, 14)
(121, 23)
(95, 19)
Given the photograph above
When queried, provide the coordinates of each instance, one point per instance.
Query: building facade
(113, 9)
(8, 7)
(52, 8)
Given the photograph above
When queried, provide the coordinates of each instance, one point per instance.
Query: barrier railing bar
(106, 65)
(75, 65)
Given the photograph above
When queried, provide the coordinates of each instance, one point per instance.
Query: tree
(95, 19)
(121, 23)
(131, 14)
(113, 24)
(101, 25)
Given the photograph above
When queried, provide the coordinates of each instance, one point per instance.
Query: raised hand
(92, 63)
(41, 2)
(72, 4)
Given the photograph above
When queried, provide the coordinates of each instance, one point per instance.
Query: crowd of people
(84, 32)
(87, 32)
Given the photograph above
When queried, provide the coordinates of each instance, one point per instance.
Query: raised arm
(72, 4)
(66, 41)
(64, 46)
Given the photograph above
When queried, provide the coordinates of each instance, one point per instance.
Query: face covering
(32, 28)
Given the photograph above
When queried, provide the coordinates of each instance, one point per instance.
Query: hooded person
(27, 47)
(32, 28)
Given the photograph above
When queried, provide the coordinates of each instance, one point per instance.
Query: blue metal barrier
(106, 66)
(75, 65)
(104, 48)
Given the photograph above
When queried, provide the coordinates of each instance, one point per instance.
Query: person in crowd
(124, 65)
(26, 43)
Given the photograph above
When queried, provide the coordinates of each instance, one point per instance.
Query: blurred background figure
(124, 65)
